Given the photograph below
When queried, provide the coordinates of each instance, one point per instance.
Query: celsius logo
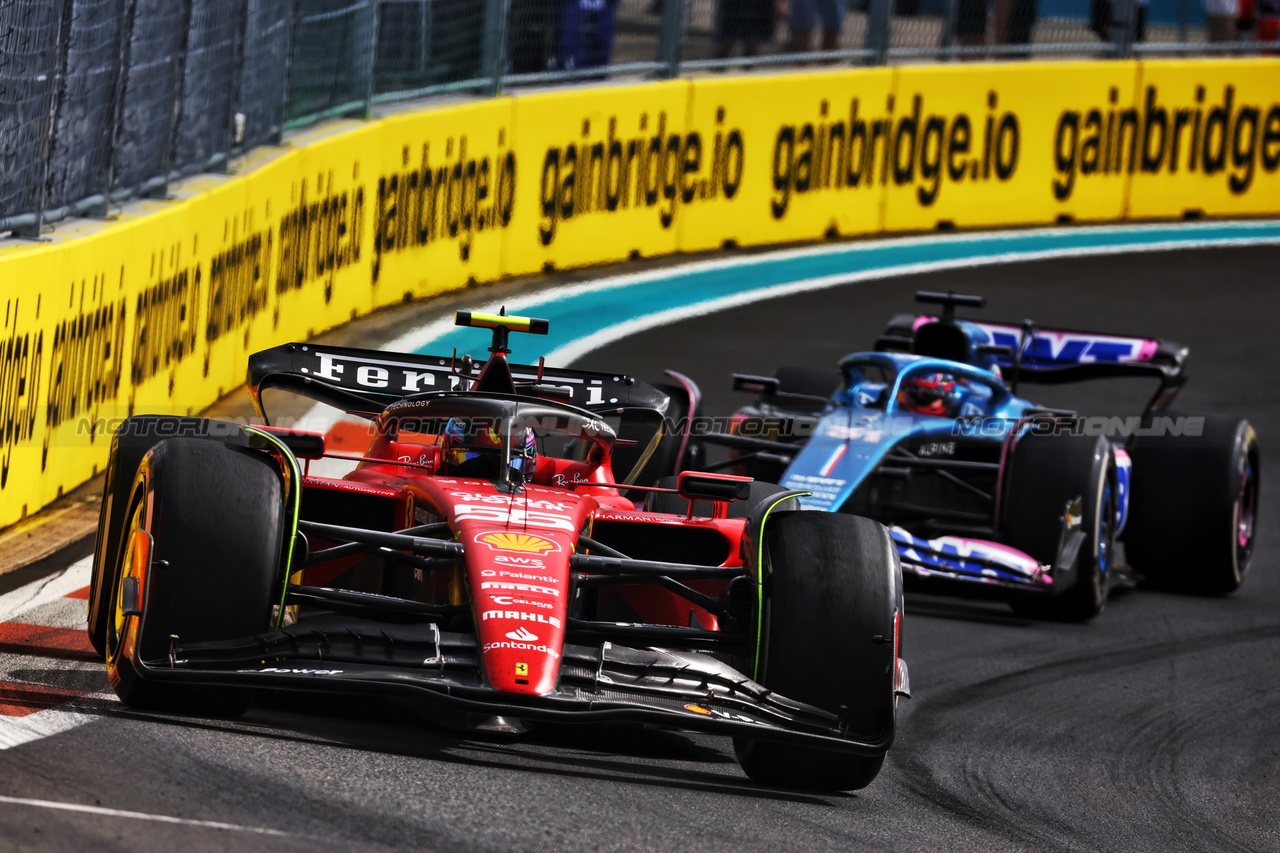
(509, 601)
(522, 635)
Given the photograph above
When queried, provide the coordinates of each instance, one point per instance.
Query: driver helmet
(524, 453)
(474, 449)
(932, 394)
(465, 441)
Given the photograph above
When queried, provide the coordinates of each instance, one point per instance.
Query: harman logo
(522, 635)
(523, 542)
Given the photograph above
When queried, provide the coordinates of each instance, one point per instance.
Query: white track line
(51, 588)
(155, 818)
(15, 731)
(574, 350)
(416, 339)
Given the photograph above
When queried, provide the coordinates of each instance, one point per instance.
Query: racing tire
(832, 597)
(129, 444)
(215, 515)
(1188, 494)
(671, 502)
(1045, 473)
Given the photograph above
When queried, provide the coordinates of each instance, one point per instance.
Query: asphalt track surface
(1156, 727)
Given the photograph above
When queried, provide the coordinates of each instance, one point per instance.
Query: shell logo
(523, 542)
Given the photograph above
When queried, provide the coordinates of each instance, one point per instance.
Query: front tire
(832, 610)
(129, 444)
(1193, 506)
(215, 517)
(1047, 472)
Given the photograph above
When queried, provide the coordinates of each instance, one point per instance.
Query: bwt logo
(1067, 349)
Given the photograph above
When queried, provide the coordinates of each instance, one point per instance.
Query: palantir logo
(522, 635)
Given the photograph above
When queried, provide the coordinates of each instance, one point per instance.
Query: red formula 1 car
(481, 556)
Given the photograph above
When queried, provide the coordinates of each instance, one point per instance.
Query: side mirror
(305, 445)
(697, 485)
(870, 395)
(766, 385)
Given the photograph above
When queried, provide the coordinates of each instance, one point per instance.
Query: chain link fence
(102, 100)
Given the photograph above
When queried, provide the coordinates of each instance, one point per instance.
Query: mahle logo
(523, 542)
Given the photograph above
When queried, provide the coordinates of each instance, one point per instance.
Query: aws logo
(526, 543)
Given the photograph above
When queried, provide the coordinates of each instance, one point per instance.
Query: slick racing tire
(215, 517)
(829, 634)
(1193, 506)
(1045, 473)
(130, 443)
(676, 505)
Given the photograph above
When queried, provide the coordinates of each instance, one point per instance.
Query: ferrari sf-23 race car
(982, 487)
(482, 556)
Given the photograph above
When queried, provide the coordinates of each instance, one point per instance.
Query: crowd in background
(569, 34)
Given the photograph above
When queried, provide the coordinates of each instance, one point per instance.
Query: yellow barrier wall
(155, 311)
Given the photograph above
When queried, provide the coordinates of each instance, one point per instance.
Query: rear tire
(1193, 506)
(833, 593)
(130, 443)
(216, 518)
(1045, 473)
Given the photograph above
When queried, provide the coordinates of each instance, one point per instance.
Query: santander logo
(522, 635)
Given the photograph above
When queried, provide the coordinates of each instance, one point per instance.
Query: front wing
(602, 683)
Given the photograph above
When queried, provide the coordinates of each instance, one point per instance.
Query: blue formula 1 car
(979, 486)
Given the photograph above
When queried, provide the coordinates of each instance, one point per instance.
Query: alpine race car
(481, 555)
(982, 487)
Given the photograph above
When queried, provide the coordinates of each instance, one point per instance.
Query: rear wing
(1047, 350)
(364, 382)
(1052, 356)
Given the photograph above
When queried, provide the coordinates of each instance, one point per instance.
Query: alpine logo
(520, 614)
(522, 635)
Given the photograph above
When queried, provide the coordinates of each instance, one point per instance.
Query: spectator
(1220, 18)
(804, 16)
(1103, 20)
(971, 23)
(531, 43)
(1014, 21)
(1265, 16)
(751, 22)
(584, 37)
